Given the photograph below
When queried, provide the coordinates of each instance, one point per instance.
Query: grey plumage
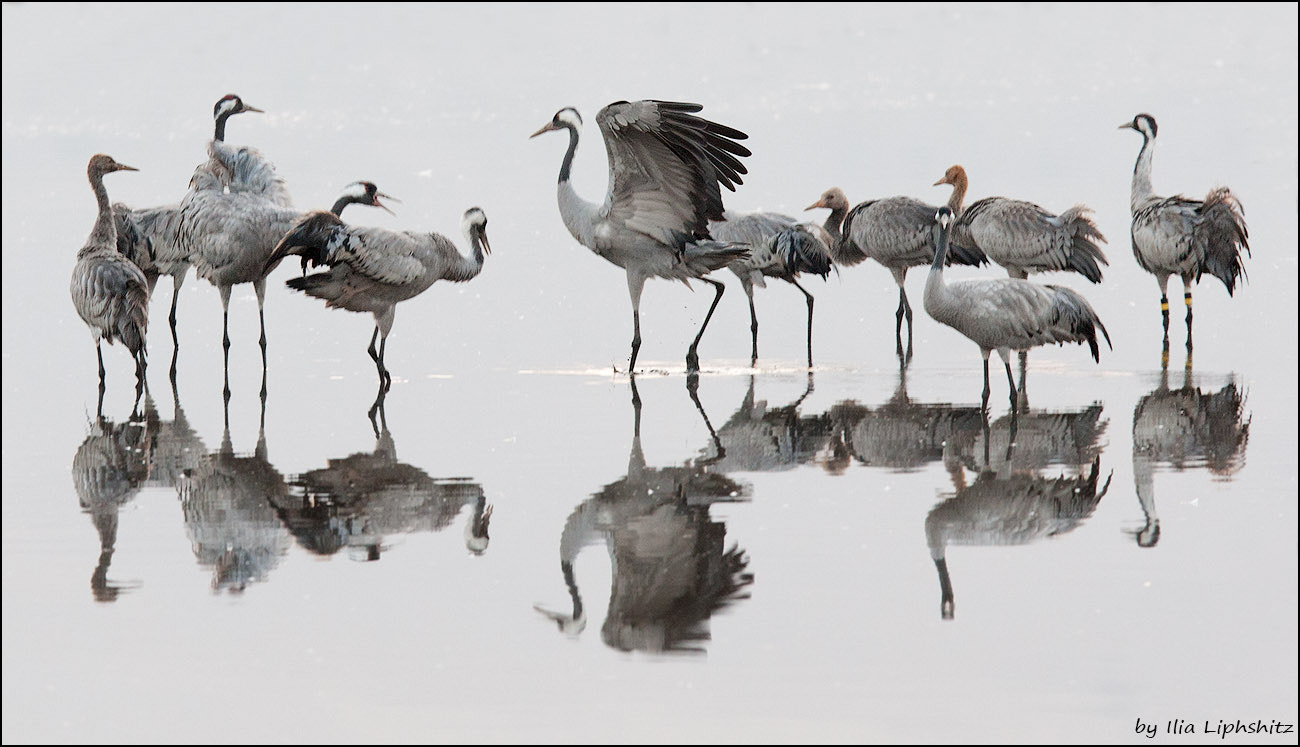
(897, 232)
(779, 247)
(109, 469)
(665, 168)
(150, 237)
(1181, 236)
(1023, 237)
(1007, 314)
(758, 438)
(373, 269)
(108, 291)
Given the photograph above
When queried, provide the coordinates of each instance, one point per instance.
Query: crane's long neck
(105, 230)
(467, 268)
(936, 289)
(1142, 190)
(577, 213)
(958, 196)
(343, 202)
(219, 134)
(835, 221)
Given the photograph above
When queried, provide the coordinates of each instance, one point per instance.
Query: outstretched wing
(665, 165)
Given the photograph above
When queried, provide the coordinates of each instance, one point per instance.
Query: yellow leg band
(1188, 300)
(1164, 306)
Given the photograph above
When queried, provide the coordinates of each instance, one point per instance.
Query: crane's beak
(487, 249)
(941, 181)
(381, 205)
(124, 167)
(815, 205)
(1127, 126)
(248, 108)
(547, 128)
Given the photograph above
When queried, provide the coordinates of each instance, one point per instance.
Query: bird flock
(662, 217)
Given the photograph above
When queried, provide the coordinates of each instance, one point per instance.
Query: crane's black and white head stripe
(568, 117)
(944, 217)
(1143, 123)
(231, 104)
(474, 218)
(360, 191)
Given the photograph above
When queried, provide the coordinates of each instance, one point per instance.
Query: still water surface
(522, 544)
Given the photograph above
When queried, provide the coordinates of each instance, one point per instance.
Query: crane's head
(833, 198)
(231, 104)
(366, 193)
(1143, 123)
(474, 226)
(568, 117)
(944, 218)
(955, 175)
(101, 164)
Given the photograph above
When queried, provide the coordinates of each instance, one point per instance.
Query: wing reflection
(1185, 428)
(227, 502)
(670, 566)
(108, 470)
(1005, 508)
(358, 500)
(761, 439)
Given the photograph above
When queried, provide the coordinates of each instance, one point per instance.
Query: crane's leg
(984, 402)
(374, 355)
(1187, 299)
(385, 325)
(692, 356)
(99, 353)
(635, 284)
(224, 290)
(808, 296)
(259, 285)
(1005, 354)
(945, 588)
(177, 281)
(1024, 367)
(753, 320)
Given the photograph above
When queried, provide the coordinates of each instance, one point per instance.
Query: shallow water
(760, 559)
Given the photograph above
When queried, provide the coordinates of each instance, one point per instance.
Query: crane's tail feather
(318, 285)
(1224, 224)
(713, 255)
(310, 239)
(964, 255)
(802, 251)
(1074, 320)
(1085, 255)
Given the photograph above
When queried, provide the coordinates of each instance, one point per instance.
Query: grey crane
(1006, 314)
(109, 292)
(897, 232)
(150, 237)
(373, 269)
(1180, 236)
(665, 165)
(779, 247)
(1023, 237)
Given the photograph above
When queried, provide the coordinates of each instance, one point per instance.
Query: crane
(1006, 314)
(373, 269)
(664, 170)
(1180, 236)
(109, 292)
(779, 247)
(1024, 237)
(897, 232)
